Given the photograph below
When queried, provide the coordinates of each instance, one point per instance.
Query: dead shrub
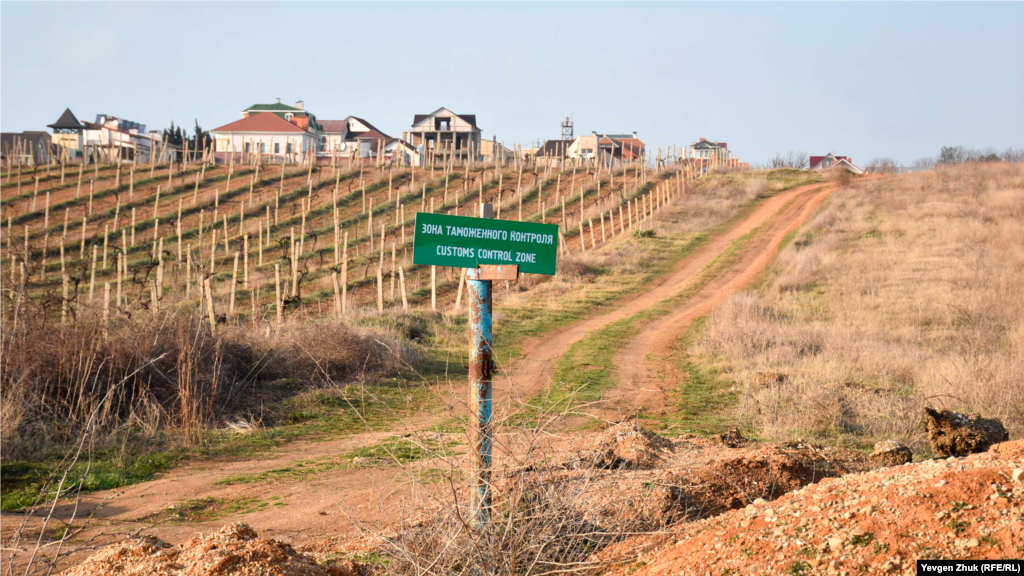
(576, 269)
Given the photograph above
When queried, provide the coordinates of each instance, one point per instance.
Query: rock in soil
(235, 549)
(955, 434)
(733, 438)
(891, 453)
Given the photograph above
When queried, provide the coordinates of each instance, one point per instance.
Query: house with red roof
(288, 133)
(831, 161)
(623, 147)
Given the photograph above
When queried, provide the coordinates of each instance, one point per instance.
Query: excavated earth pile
(234, 550)
(631, 479)
(877, 522)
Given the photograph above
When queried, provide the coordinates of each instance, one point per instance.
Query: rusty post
(481, 368)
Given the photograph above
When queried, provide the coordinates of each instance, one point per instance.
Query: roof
(365, 123)
(261, 122)
(815, 160)
(67, 121)
(334, 126)
(400, 142)
(469, 118)
(708, 144)
(371, 135)
(554, 148)
(843, 161)
(36, 138)
(345, 127)
(274, 108)
(631, 147)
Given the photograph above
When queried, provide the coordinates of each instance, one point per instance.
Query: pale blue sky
(865, 79)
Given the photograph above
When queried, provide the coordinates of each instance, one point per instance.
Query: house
(111, 137)
(353, 135)
(553, 149)
(443, 134)
(492, 150)
(67, 134)
(29, 147)
(552, 152)
(706, 150)
(623, 147)
(829, 161)
(401, 152)
(282, 132)
(297, 114)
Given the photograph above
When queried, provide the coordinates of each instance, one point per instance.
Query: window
(246, 147)
(277, 147)
(288, 148)
(442, 123)
(263, 148)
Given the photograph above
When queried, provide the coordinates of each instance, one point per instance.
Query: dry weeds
(902, 293)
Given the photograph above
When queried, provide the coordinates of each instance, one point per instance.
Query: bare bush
(882, 166)
(797, 159)
(923, 163)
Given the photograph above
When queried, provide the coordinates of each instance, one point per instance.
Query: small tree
(952, 155)
(797, 159)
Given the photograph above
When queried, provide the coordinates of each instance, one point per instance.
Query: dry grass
(901, 293)
(164, 371)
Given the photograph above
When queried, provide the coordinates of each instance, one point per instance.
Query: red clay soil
(874, 522)
(235, 549)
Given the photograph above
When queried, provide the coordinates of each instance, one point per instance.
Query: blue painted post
(481, 368)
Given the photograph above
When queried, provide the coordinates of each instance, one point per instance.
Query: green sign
(464, 242)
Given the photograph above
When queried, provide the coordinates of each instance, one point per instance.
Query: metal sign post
(481, 369)
(489, 250)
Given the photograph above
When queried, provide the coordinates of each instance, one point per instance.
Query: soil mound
(763, 474)
(879, 521)
(690, 479)
(622, 446)
(234, 550)
(955, 434)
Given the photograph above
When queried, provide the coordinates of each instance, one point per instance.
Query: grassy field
(900, 294)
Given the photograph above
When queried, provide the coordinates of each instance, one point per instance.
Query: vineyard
(262, 244)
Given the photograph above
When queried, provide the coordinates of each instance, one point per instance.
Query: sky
(866, 80)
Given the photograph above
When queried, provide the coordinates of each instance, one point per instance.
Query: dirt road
(341, 498)
(532, 372)
(646, 372)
